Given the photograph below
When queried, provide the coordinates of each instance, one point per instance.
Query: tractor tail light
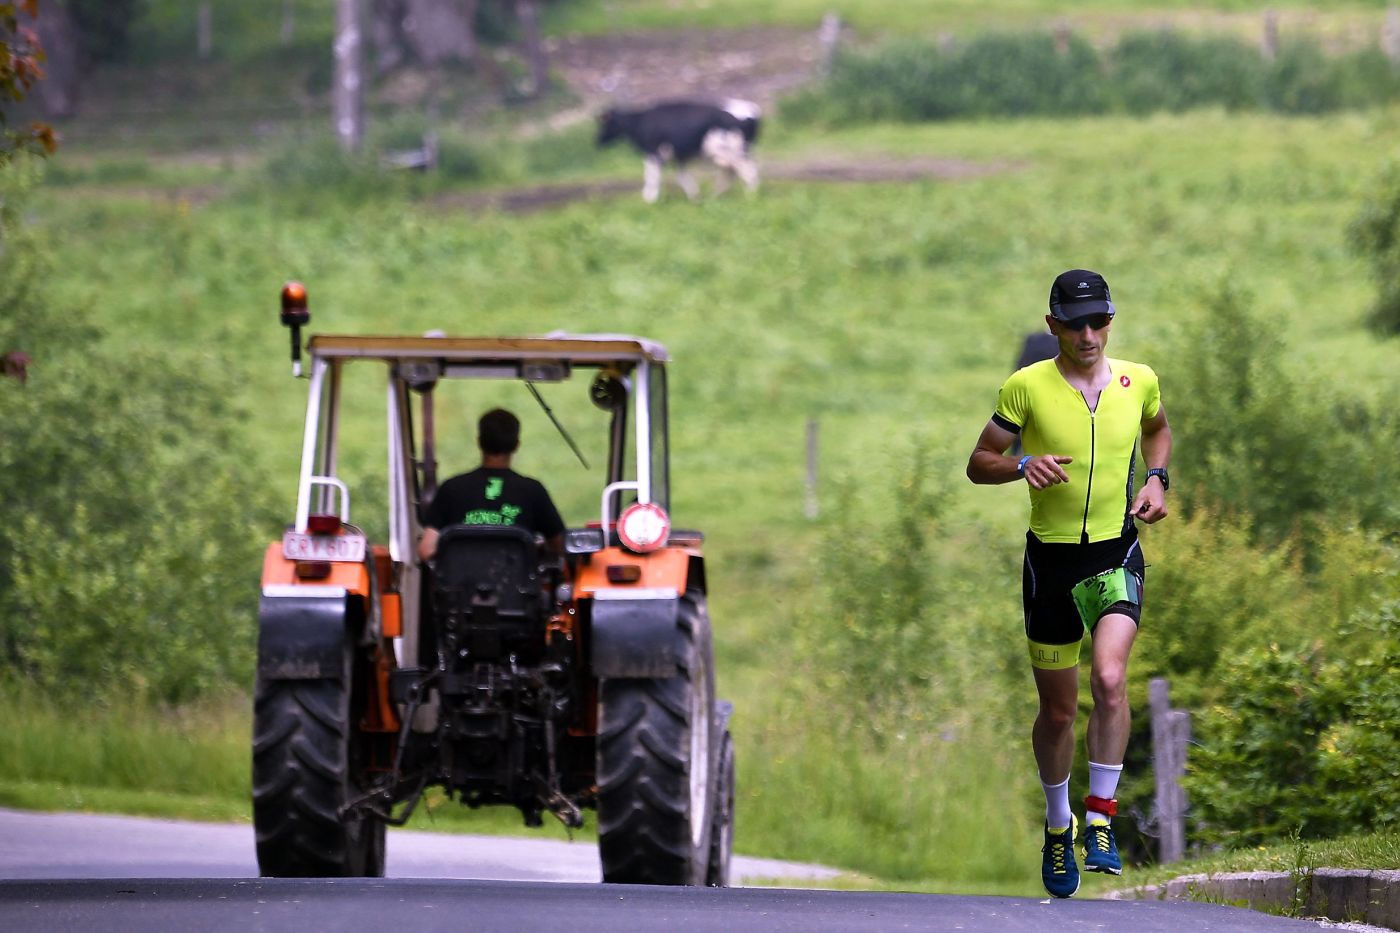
(313, 569)
(643, 527)
(323, 524)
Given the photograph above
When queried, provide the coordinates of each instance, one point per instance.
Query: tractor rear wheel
(658, 758)
(305, 771)
(722, 828)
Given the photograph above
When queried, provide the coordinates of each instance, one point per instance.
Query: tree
(21, 64)
(348, 95)
(79, 34)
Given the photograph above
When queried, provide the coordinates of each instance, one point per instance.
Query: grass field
(1345, 22)
(888, 312)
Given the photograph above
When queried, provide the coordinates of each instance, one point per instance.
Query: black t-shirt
(491, 496)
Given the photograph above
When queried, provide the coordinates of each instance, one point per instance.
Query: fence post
(1390, 34)
(1268, 45)
(810, 505)
(829, 37)
(1171, 732)
(204, 30)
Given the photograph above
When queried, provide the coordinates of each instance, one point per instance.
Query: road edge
(1370, 896)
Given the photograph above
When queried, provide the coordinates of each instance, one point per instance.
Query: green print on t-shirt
(506, 516)
(494, 485)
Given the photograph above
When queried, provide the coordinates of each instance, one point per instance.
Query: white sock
(1103, 782)
(1057, 815)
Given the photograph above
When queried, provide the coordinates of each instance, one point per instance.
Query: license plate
(298, 545)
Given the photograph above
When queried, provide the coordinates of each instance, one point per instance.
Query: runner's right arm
(989, 465)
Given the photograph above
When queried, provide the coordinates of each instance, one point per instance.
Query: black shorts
(1051, 570)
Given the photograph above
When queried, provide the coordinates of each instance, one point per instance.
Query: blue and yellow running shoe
(1100, 849)
(1058, 870)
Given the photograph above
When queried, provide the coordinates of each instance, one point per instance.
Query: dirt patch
(874, 169)
(886, 168)
(641, 67)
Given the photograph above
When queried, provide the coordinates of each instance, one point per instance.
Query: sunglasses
(1094, 321)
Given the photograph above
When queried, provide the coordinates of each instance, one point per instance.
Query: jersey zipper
(1089, 491)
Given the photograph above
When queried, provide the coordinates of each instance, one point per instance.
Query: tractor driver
(493, 493)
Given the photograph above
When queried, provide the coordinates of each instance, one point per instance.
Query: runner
(1079, 417)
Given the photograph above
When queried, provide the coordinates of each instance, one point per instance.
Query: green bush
(876, 629)
(1375, 235)
(1214, 594)
(1025, 73)
(1285, 450)
(317, 164)
(993, 75)
(1303, 743)
(128, 564)
(1167, 70)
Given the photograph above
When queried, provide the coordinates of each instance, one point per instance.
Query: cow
(678, 131)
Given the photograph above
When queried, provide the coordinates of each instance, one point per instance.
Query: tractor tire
(304, 771)
(722, 829)
(658, 763)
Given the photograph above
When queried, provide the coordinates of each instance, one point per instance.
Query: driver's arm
(427, 545)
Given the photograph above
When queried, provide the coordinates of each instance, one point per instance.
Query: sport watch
(1161, 473)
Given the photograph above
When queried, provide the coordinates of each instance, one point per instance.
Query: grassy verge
(925, 16)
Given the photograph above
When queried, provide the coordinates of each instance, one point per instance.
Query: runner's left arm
(1151, 502)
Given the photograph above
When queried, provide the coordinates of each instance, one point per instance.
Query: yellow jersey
(1052, 417)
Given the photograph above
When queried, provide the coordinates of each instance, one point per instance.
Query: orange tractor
(497, 671)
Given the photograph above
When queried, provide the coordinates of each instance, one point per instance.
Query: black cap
(1079, 292)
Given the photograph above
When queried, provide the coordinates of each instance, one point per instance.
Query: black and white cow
(678, 131)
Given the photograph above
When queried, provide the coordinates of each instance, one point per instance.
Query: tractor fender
(303, 630)
(723, 711)
(635, 636)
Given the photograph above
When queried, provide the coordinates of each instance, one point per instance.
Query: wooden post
(1268, 45)
(1390, 34)
(829, 37)
(347, 95)
(810, 506)
(527, 13)
(1171, 733)
(204, 30)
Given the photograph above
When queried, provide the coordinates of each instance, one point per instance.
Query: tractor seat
(492, 589)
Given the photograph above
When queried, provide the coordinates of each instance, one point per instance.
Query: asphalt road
(85, 845)
(77, 873)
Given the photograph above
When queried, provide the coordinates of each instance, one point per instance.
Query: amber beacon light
(294, 315)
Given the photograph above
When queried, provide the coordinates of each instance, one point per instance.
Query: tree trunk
(439, 31)
(386, 35)
(289, 21)
(58, 92)
(528, 13)
(429, 32)
(347, 103)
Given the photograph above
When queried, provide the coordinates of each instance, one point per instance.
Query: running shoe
(1058, 870)
(1100, 849)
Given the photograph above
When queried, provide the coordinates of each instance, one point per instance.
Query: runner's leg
(1107, 735)
(1052, 737)
(1053, 741)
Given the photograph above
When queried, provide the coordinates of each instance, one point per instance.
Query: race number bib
(1095, 595)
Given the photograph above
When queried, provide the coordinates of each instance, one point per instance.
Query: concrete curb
(1347, 895)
